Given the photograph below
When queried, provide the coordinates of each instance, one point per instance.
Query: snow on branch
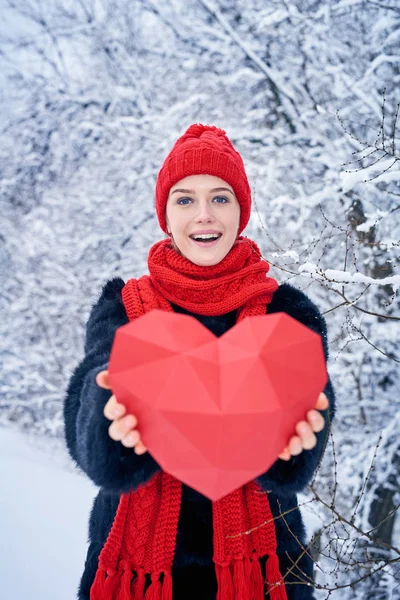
(335, 276)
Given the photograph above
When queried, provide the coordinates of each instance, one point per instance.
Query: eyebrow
(218, 189)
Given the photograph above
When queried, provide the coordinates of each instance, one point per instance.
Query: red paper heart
(216, 412)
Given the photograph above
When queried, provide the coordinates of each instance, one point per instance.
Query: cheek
(172, 219)
(176, 221)
(234, 223)
(167, 218)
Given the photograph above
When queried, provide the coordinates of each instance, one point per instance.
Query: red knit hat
(203, 149)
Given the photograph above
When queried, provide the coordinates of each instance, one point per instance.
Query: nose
(204, 212)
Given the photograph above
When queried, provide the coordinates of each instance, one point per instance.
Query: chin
(209, 263)
(203, 261)
(200, 259)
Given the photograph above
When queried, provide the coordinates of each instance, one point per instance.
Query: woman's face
(202, 217)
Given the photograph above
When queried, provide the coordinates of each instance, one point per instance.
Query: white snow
(44, 511)
(346, 277)
(289, 253)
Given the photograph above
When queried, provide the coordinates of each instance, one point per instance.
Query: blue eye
(218, 199)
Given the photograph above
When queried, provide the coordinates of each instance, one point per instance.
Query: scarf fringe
(138, 586)
(117, 586)
(124, 592)
(97, 589)
(225, 589)
(241, 580)
(105, 585)
(154, 590)
(276, 585)
(167, 587)
(257, 581)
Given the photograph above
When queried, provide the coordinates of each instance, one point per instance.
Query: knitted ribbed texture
(143, 535)
(203, 149)
(235, 281)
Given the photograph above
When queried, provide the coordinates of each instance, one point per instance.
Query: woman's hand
(123, 426)
(305, 438)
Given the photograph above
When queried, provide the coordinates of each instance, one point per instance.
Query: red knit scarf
(143, 535)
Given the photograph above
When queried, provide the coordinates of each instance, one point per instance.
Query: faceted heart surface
(216, 412)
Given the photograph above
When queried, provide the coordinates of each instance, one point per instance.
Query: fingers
(132, 440)
(140, 448)
(285, 455)
(316, 420)
(122, 428)
(305, 440)
(102, 380)
(113, 409)
(322, 402)
(123, 431)
(306, 437)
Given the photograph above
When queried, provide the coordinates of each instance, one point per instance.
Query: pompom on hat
(203, 149)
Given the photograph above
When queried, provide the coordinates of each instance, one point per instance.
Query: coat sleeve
(292, 476)
(108, 463)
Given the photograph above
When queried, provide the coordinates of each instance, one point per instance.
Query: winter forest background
(93, 93)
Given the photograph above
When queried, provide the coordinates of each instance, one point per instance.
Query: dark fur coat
(116, 469)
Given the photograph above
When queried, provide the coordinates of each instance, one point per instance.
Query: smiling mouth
(205, 239)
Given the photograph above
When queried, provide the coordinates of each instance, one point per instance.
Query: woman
(151, 536)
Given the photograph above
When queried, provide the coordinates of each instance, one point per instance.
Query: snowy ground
(44, 509)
